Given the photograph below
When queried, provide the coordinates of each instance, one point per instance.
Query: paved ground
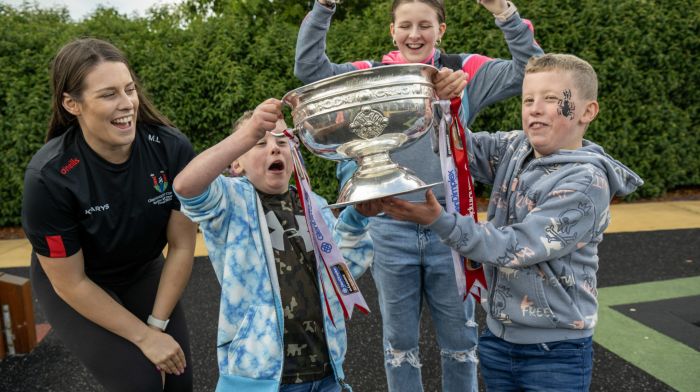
(646, 339)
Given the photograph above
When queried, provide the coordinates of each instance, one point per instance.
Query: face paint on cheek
(566, 107)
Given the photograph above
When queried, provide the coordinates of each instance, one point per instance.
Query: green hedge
(207, 61)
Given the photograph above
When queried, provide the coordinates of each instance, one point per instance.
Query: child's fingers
(264, 122)
(445, 77)
(271, 105)
(273, 101)
(430, 199)
(457, 85)
(369, 208)
(270, 116)
(442, 79)
(375, 207)
(268, 113)
(451, 85)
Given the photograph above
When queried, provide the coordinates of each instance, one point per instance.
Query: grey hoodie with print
(539, 248)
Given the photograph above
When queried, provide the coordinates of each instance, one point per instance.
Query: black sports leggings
(117, 364)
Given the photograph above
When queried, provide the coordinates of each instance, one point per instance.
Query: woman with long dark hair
(98, 209)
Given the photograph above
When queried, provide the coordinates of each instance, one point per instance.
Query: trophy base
(360, 199)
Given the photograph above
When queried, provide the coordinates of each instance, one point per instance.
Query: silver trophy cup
(365, 115)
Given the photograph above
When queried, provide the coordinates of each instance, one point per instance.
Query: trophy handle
(436, 105)
(289, 132)
(436, 123)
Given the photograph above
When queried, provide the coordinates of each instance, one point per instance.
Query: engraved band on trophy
(365, 115)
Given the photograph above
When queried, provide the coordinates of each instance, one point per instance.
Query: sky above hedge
(80, 9)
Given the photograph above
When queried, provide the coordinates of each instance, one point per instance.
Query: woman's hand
(423, 213)
(370, 207)
(449, 84)
(161, 349)
(494, 6)
(67, 276)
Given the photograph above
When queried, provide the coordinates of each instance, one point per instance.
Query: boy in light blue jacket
(275, 331)
(547, 213)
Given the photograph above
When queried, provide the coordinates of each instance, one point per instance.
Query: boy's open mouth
(276, 166)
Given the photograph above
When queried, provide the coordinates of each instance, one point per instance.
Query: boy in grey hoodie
(547, 213)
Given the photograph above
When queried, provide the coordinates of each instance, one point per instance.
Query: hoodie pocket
(256, 350)
(542, 309)
(243, 329)
(533, 308)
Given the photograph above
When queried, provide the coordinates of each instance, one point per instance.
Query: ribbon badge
(328, 255)
(455, 172)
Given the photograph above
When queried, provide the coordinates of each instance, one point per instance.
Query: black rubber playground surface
(647, 339)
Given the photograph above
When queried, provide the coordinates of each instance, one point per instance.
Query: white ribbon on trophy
(469, 275)
(328, 254)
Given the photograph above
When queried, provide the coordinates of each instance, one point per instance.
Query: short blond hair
(245, 116)
(582, 73)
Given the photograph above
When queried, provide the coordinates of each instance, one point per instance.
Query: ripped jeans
(410, 264)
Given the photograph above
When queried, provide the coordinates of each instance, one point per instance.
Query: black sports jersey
(116, 213)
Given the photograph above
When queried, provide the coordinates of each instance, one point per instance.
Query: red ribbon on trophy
(327, 252)
(462, 199)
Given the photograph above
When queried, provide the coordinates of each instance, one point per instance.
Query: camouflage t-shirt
(306, 352)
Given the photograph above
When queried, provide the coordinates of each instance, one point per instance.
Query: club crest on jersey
(160, 183)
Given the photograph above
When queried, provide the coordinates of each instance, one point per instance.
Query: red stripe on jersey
(473, 63)
(56, 248)
(362, 64)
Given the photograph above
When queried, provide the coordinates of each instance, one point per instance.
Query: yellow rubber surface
(630, 217)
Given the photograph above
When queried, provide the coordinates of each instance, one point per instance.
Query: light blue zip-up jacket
(539, 246)
(251, 320)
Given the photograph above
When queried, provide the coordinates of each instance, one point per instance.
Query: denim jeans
(328, 384)
(564, 365)
(411, 264)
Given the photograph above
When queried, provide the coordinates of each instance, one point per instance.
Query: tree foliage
(204, 62)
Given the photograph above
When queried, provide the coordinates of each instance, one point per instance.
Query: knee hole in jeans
(396, 358)
(461, 356)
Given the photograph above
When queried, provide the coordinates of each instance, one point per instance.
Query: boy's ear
(70, 104)
(590, 112)
(237, 168)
